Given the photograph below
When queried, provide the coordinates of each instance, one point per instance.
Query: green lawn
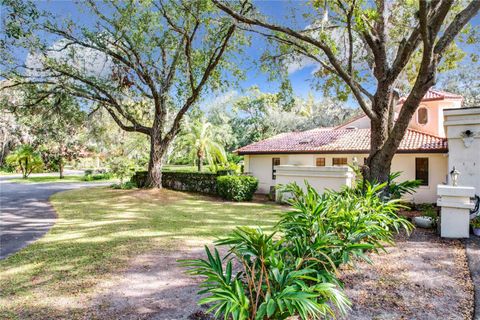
(5, 173)
(98, 230)
(45, 179)
(52, 178)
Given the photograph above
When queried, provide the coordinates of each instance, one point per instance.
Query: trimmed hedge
(139, 178)
(237, 188)
(230, 187)
(203, 182)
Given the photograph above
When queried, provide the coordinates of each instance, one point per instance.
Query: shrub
(121, 167)
(341, 224)
(98, 176)
(124, 186)
(139, 178)
(203, 182)
(237, 188)
(270, 285)
(295, 274)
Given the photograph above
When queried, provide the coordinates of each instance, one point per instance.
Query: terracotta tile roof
(434, 94)
(341, 141)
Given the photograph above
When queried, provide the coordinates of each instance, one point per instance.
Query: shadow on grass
(98, 230)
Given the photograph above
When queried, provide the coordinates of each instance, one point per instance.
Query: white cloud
(299, 63)
(86, 60)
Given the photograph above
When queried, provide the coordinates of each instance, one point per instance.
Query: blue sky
(276, 10)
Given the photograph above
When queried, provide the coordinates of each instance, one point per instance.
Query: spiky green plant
(293, 271)
(340, 225)
(269, 284)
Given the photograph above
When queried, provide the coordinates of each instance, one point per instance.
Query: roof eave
(242, 153)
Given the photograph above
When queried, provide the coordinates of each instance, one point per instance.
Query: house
(423, 152)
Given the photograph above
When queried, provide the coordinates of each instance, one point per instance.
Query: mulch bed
(422, 277)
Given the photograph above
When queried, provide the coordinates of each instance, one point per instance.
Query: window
(422, 115)
(275, 162)
(421, 170)
(339, 161)
(320, 162)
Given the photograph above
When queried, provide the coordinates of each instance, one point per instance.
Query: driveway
(25, 212)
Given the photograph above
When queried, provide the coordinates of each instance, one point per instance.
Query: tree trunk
(25, 170)
(380, 157)
(155, 164)
(60, 168)
(200, 160)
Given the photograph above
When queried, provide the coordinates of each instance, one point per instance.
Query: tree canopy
(370, 50)
(146, 63)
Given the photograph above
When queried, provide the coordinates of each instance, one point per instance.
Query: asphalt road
(25, 212)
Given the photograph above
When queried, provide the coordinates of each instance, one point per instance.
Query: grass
(47, 179)
(3, 173)
(95, 235)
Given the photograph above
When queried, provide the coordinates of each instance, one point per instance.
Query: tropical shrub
(393, 189)
(237, 188)
(294, 273)
(335, 227)
(475, 222)
(26, 159)
(271, 284)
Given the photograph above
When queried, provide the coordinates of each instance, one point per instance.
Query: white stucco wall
(464, 153)
(320, 178)
(260, 166)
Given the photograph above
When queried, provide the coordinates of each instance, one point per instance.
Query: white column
(455, 206)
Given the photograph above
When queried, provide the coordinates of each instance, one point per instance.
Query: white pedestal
(455, 210)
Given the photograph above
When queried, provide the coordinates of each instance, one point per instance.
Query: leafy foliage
(237, 188)
(268, 286)
(146, 64)
(393, 189)
(97, 176)
(201, 141)
(475, 222)
(258, 115)
(26, 159)
(343, 224)
(294, 274)
(121, 167)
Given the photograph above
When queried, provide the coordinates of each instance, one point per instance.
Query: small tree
(26, 159)
(203, 143)
(121, 167)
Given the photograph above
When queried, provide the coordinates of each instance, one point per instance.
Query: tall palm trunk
(200, 157)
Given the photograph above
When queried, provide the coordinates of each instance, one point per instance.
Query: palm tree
(203, 143)
(26, 159)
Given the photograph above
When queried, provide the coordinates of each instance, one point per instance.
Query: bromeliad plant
(295, 272)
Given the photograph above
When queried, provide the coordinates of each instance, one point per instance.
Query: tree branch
(342, 73)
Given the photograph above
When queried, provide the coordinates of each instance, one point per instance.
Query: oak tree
(368, 49)
(145, 62)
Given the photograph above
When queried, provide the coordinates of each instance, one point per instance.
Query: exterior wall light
(454, 174)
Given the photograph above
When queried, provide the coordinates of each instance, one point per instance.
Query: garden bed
(422, 277)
